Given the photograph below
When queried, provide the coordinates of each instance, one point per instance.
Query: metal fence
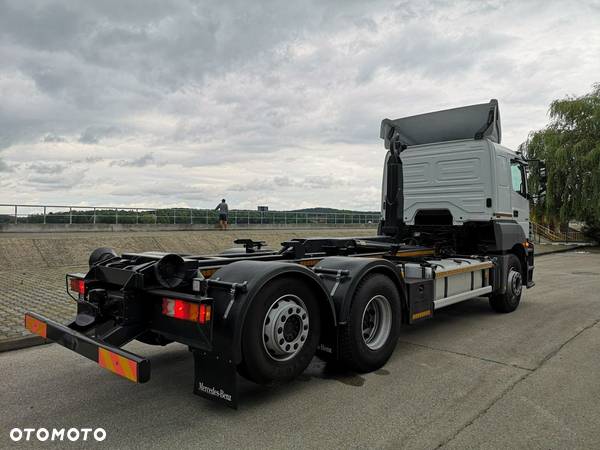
(541, 231)
(65, 214)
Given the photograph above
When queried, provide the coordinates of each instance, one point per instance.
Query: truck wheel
(101, 254)
(509, 301)
(369, 338)
(281, 332)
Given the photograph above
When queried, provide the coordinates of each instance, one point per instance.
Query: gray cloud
(41, 168)
(285, 182)
(93, 135)
(190, 100)
(50, 182)
(167, 189)
(4, 167)
(53, 138)
(142, 161)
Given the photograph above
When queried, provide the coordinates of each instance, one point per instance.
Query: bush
(592, 231)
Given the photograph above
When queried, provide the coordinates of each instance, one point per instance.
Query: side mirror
(542, 177)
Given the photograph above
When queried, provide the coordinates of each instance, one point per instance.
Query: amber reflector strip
(35, 326)
(117, 364)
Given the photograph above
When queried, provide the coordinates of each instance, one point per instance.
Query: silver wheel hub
(515, 282)
(285, 327)
(377, 322)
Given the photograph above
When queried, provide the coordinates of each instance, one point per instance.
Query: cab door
(518, 198)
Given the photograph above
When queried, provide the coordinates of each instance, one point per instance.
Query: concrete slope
(23, 251)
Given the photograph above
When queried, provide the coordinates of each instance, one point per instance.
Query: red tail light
(77, 285)
(180, 309)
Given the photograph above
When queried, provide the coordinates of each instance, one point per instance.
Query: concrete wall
(23, 251)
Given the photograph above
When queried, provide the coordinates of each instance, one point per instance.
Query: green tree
(570, 145)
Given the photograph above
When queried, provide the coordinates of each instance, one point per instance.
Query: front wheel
(281, 332)
(369, 338)
(509, 301)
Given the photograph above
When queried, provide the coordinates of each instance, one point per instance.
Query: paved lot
(467, 379)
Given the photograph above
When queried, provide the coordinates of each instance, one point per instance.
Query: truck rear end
(217, 305)
(124, 298)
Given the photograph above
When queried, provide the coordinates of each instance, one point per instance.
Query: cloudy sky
(178, 103)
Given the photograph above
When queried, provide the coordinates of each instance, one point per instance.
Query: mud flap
(215, 378)
(420, 299)
(530, 266)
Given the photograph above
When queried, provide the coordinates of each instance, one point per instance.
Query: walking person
(223, 212)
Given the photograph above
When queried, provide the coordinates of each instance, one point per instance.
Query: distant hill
(332, 210)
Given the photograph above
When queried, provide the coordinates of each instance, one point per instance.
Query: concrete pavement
(469, 378)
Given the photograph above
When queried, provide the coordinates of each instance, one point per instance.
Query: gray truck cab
(454, 169)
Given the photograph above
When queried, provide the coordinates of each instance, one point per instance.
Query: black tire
(355, 352)
(509, 301)
(259, 364)
(101, 254)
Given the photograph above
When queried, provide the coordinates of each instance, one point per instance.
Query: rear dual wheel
(281, 332)
(369, 338)
(283, 327)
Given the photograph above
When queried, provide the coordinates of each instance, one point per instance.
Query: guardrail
(542, 231)
(69, 214)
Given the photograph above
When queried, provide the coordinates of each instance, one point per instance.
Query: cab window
(517, 172)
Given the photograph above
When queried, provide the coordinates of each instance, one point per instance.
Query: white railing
(69, 214)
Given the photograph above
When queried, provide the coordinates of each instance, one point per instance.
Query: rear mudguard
(231, 306)
(351, 271)
(215, 371)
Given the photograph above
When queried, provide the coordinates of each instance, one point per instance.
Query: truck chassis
(216, 305)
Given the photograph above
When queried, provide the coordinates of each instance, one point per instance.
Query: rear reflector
(205, 312)
(35, 326)
(118, 364)
(180, 309)
(77, 285)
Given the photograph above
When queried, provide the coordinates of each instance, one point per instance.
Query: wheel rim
(285, 327)
(377, 322)
(515, 282)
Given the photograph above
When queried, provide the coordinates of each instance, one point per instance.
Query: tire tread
(348, 352)
(501, 303)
